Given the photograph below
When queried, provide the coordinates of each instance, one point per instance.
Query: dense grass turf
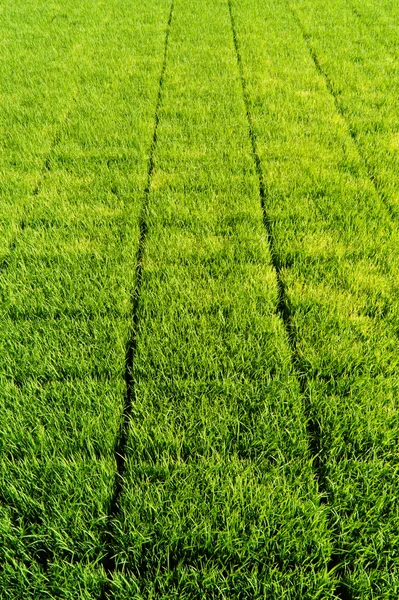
(338, 250)
(67, 279)
(260, 456)
(40, 51)
(357, 46)
(220, 499)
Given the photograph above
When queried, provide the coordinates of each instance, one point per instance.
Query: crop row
(357, 46)
(220, 499)
(81, 91)
(261, 449)
(337, 245)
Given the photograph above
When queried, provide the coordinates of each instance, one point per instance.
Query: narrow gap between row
(109, 560)
(283, 310)
(341, 111)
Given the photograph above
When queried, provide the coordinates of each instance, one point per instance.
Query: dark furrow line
(284, 312)
(372, 176)
(108, 562)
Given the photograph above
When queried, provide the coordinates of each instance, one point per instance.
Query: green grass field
(199, 283)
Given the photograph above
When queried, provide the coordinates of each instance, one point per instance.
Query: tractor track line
(371, 175)
(284, 312)
(108, 562)
(342, 591)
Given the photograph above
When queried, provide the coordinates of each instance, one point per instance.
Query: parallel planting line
(340, 109)
(42, 555)
(57, 468)
(46, 164)
(46, 167)
(211, 452)
(283, 310)
(120, 449)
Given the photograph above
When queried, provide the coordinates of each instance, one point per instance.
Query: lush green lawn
(338, 248)
(199, 265)
(66, 283)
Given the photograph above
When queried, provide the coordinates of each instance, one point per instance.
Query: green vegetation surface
(199, 278)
